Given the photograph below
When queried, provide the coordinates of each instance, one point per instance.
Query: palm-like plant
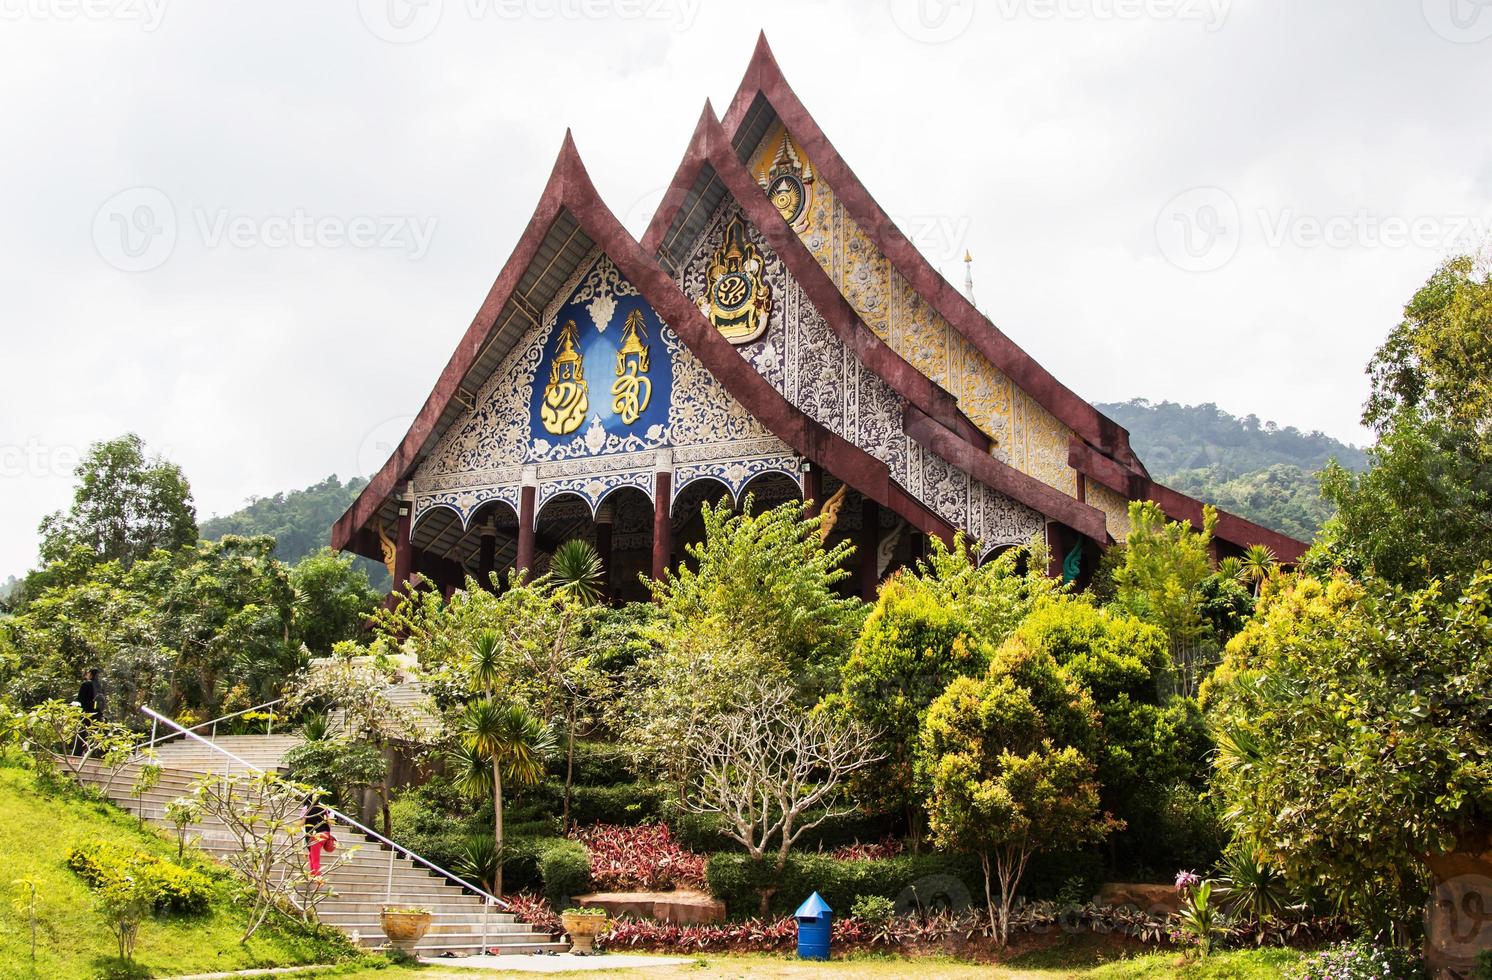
(1253, 889)
(1258, 563)
(577, 569)
(514, 744)
(1231, 568)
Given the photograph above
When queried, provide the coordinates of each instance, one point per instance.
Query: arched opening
(624, 540)
(688, 522)
(491, 544)
(768, 490)
(563, 517)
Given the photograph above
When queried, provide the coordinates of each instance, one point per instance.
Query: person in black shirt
(91, 700)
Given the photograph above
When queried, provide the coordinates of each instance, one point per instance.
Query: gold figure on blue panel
(631, 391)
(566, 395)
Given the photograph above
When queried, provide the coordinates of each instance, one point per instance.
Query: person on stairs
(91, 700)
(319, 840)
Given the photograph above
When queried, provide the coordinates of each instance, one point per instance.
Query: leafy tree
(125, 506)
(1006, 760)
(756, 604)
(1165, 566)
(1423, 511)
(1353, 738)
(1152, 741)
(339, 768)
(333, 599)
(926, 628)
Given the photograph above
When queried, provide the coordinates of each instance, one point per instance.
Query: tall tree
(125, 506)
(1423, 511)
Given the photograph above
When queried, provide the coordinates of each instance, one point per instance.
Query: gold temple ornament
(632, 391)
(566, 396)
(788, 181)
(738, 300)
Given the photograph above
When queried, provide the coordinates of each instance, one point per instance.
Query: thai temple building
(774, 335)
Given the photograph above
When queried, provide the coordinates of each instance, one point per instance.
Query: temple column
(868, 546)
(813, 488)
(605, 517)
(527, 496)
(487, 557)
(662, 518)
(403, 552)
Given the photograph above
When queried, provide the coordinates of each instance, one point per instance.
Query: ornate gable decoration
(738, 299)
(788, 180)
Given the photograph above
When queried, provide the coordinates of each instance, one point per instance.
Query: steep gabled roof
(570, 213)
(709, 171)
(746, 122)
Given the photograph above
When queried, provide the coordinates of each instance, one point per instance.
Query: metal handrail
(156, 716)
(153, 741)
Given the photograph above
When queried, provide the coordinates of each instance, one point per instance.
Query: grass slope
(37, 829)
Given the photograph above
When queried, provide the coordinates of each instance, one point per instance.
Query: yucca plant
(1258, 564)
(1252, 889)
(577, 569)
(500, 742)
(1231, 568)
(478, 861)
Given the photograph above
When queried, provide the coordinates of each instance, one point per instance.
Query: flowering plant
(1359, 960)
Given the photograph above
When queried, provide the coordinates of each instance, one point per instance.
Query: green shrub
(907, 879)
(566, 869)
(596, 764)
(172, 888)
(874, 910)
(624, 803)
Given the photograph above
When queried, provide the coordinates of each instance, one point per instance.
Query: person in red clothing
(319, 840)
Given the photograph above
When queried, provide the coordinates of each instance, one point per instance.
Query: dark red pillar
(868, 548)
(813, 489)
(525, 559)
(487, 559)
(403, 553)
(603, 547)
(662, 522)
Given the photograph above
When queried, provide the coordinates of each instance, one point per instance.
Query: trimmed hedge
(566, 869)
(175, 890)
(596, 764)
(907, 879)
(701, 831)
(624, 803)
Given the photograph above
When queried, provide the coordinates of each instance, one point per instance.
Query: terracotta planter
(584, 929)
(404, 929)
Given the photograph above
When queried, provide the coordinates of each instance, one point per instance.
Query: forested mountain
(1171, 438)
(1255, 469)
(299, 520)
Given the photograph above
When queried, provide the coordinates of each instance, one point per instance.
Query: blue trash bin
(815, 926)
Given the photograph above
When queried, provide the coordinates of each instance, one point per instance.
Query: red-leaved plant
(885, 848)
(535, 910)
(645, 857)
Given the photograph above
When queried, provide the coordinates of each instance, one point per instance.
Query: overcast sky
(252, 232)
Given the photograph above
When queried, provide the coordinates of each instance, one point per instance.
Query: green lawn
(37, 828)
(1071, 960)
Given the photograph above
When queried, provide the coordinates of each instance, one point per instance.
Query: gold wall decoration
(631, 391)
(388, 547)
(566, 396)
(788, 180)
(829, 513)
(739, 301)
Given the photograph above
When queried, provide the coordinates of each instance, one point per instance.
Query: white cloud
(1049, 142)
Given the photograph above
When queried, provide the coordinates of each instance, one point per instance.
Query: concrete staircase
(375, 876)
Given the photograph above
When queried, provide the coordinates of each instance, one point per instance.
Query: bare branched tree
(262, 812)
(774, 771)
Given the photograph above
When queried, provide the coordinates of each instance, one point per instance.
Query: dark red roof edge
(764, 76)
(570, 189)
(1178, 506)
(1006, 479)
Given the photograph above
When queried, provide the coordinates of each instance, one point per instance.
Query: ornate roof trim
(934, 419)
(764, 78)
(571, 191)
